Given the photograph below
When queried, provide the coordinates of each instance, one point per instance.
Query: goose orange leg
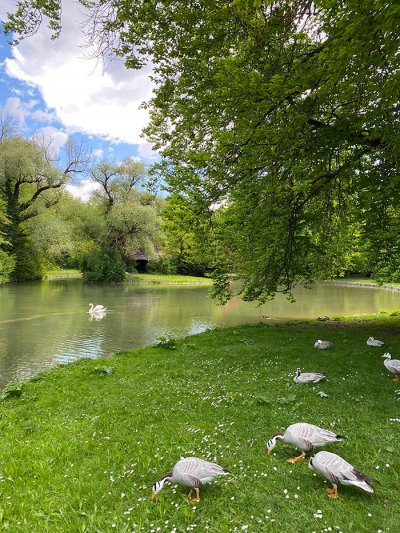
(396, 378)
(298, 458)
(333, 493)
(197, 499)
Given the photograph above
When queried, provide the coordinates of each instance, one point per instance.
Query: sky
(52, 88)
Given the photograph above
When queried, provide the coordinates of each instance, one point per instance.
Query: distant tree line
(42, 226)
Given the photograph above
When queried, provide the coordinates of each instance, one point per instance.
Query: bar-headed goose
(393, 365)
(336, 470)
(192, 472)
(322, 345)
(305, 437)
(374, 342)
(307, 377)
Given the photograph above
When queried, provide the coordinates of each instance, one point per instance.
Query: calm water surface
(45, 323)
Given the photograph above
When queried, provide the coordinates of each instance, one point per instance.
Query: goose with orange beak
(304, 437)
(192, 472)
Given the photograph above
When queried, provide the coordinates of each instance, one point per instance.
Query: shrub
(160, 266)
(103, 264)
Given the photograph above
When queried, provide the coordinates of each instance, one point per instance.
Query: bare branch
(8, 125)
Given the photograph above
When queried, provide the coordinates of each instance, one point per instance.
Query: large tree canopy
(287, 110)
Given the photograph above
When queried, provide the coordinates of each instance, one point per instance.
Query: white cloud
(146, 152)
(15, 108)
(42, 116)
(83, 190)
(84, 97)
(52, 138)
(98, 153)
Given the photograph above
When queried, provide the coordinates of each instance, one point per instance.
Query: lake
(46, 323)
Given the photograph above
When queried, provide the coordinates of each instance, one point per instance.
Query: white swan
(96, 309)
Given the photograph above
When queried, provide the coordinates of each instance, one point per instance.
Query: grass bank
(367, 282)
(63, 273)
(141, 279)
(167, 279)
(82, 444)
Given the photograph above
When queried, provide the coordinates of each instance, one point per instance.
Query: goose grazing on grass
(304, 437)
(307, 377)
(393, 365)
(374, 342)
(322, 345)
(336, 470)
(191, 472)
(96, 309)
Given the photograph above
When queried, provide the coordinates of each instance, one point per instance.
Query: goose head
(272, 442)
(158, 485)
(387, 355)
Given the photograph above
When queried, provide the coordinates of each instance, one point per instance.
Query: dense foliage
(287, 110)
(186, 243)
(43, 227)
(30, 184)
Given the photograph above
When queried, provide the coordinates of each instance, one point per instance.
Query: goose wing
(313, 435)
(322, 345)
(374, 342)
(195, 470)
(299, 435)
(324, 436)
(310, 377)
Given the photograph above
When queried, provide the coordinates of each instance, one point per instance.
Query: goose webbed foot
(297, 459)
(333, 493)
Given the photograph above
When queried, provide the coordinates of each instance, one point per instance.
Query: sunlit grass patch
(62, 272)
(168, 279)
(83, 444)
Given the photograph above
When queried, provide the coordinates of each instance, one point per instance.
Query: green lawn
(83, 444)
(167, 279)
(62, 272)
(152, 279)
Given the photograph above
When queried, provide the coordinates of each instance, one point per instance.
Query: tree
(8, 125)
(287, 110)
(187, 253)
(116, 180)
(29, 185)
(131, 220)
